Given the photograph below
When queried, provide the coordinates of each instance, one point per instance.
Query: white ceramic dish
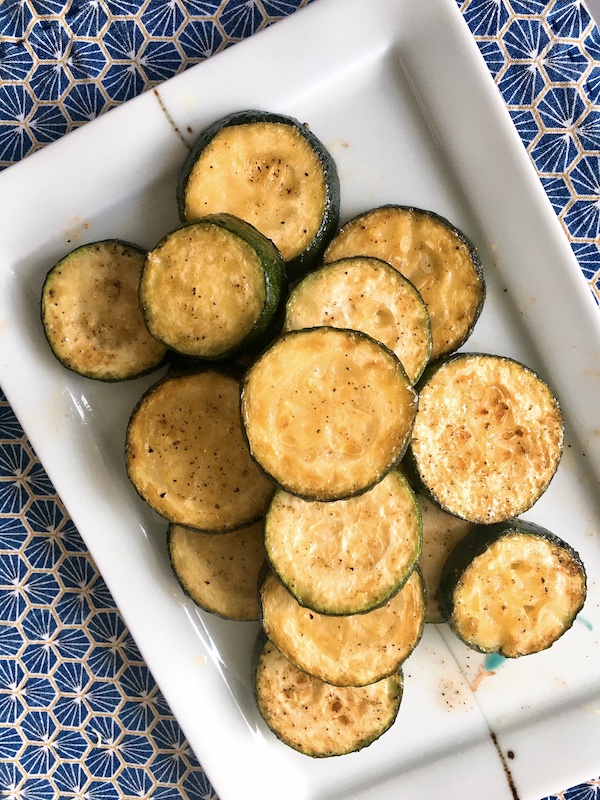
(399, 93)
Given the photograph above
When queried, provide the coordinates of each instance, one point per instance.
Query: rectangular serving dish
(400, 95)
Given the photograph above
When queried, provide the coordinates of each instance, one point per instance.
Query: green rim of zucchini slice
(91, 316)
(187, 457)
(212, 287)
(270, 170)
(347, 556)
(368, 295)
(441, 532)
(220, 572)
(349, 650)
(316, 718)
(512, 588)
(327, 412)
(488, 436)
(433, 254)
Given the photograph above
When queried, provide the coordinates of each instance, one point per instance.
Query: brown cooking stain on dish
(170, 119)
(75, 230)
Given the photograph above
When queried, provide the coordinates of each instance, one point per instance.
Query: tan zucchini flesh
(91, 315)
(433, 254)
(318, 719)
(488, 436)
(350, 650)
(346, 556)
(441, 532)
(368, 295)
(513, 588)
(187, 456)
(327, 412)
(220, 572)
(211, 287)
(271, 171)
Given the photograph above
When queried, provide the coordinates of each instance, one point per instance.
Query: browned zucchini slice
(212, 287)
(512, 588)
(327, 412)
(441, 532)
(347, 556)
(488, 436)
(368, 295)
(220, 572)
(433, 254)
(91, 316)
(187, 456)
(270, 170)
(350, 650)
(316, 718)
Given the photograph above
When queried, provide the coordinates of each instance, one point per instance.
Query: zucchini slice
(187, 456)
(270, 170)
(220, 572)
(512, 588)
(346, 556)
(316, 718)
(350, 650)
(212, 287)
(91, 316)
(488, 436)
(441, 532)
(433, 254)
(327, 412)
(368, 295)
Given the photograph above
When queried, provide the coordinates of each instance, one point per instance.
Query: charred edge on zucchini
(346, 556)
(327, 412)
(272, 171)
(220, 572)
(90, 313)
(433, 254)
(211, 289)
(441, 532)
(316, 718)
(369, 295)
(350, 650)
(488, 436)
(512, 588)
(187, 457)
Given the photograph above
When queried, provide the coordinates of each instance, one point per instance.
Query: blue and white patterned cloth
(80, 715)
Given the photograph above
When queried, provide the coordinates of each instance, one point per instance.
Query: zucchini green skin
(315, 718)
(73, 361)
(475, 544)
(415, 471)
(275, 283)
(305, 260)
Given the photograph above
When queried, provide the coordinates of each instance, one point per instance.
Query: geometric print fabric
(80, 714)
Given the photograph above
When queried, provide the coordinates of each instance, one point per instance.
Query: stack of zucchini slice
(327, 463)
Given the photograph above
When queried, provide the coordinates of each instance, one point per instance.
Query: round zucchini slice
(346, 556)
(488, 436)
(187, 456)
(327, 412)
(441, 532)
(318, 719)
(350, 650)
(212, 287)
(220, 572)
(433, 254)
(91, 316)
(368, 295)
(270, 170)
(512, 588)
